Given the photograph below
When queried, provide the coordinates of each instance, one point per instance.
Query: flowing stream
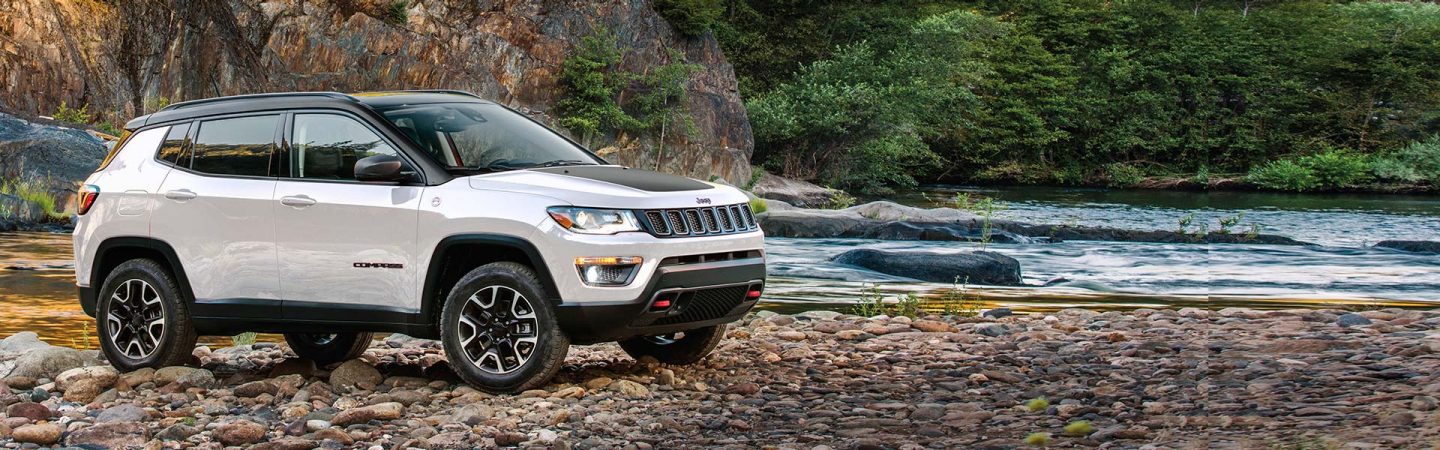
(37, 291)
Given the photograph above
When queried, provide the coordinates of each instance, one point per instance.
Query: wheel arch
(116, 250)
(457, 255)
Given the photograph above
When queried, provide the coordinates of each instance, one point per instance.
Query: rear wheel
(141, 319)
(329, 348)
(499, 333)
(682, 348)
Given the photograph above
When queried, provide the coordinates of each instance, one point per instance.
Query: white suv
(327, 217)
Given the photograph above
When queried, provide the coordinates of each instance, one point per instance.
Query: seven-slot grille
(706, 221)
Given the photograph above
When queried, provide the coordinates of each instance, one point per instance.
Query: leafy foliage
(866, 95)
(691, 17)
(595, 84)
(1417, 162)
(1284, 175)
(73, 115)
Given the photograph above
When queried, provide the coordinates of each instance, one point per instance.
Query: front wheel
(141, 319)
(327, 349)
(685, 347)
(499, 333)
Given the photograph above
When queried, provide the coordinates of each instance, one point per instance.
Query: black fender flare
(123, 242)
(429, 306)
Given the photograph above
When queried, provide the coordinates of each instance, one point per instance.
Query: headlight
(594, 221)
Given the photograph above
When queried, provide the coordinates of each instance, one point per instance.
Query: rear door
(347, 248)
(216, 210)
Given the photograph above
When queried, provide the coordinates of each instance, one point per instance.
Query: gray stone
(124, 412)
(988, 268)
(1351, 320)
(47, 362)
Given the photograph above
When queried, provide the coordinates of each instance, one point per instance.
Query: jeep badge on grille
(702, 200)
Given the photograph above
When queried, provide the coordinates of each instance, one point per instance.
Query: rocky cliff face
(121, 59)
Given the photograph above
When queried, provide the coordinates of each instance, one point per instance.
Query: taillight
(88, 194)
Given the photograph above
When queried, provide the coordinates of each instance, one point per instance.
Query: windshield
(481, 136)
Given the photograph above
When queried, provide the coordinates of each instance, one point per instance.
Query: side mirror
(386, 168)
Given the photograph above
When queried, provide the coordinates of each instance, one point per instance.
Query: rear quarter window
(174, 147)
(238, 146)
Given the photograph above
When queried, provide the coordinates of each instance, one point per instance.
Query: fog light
(607, 270)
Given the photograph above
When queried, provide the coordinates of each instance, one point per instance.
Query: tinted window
(326, 146)
(174, 144)
(239, 146)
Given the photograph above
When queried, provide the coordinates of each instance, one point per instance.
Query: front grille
(707, 304)
(706, 221)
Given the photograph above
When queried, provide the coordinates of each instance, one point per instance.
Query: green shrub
(72, 115)
(691, 17)
(1337, 168)
(33, 192)
(1123, 175)
(840, 200)
(397, 13)
(1283, 175)
(1416, 162)
(758, 205)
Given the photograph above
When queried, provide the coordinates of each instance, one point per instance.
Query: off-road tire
(176, 344)
(550, 349)
(341, 347)
(694, 346)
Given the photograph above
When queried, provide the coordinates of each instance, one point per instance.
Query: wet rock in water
(356, 372)
(1352, 320)
(47, 362)
(1411, 246)
(43, 434)
(241, 432)
(981, 267)
(110, 435)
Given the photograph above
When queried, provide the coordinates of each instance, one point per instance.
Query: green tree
(691, 17)
(592, 83)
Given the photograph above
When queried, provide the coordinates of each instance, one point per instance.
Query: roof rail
(203, 101)
(444, 91)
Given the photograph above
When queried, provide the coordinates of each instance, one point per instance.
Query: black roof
(293, 100)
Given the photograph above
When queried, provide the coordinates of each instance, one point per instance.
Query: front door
(347, 248)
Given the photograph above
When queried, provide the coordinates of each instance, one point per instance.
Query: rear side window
(239, 146)
(171, 151)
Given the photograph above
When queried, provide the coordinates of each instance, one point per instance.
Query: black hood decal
(644, 180)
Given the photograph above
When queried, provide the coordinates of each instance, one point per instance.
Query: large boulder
(21, 342)
(47, 362)
(53, 158)
(795, 192)
(1411, 246)
(981, 267)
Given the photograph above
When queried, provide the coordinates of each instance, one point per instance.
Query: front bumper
(703, 294)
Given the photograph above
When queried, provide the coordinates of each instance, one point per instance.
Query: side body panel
(355, 244)
(129, 189)
(223, 230)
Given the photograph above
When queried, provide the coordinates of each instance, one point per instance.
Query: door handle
(180, 195)
(298, 201)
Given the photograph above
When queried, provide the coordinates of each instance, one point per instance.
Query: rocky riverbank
(891, 221)
(1159, 379)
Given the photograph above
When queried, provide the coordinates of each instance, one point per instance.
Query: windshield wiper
(563, 162)
(498, 165)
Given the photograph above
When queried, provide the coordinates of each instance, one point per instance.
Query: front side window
(482, 136)
(238, 146)
(326, 146)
